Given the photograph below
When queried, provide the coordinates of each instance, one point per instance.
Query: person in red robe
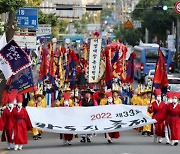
(8, 121)
(109, 101)
(172, 112)
(22, 124)
(168, 101)
(155, 107)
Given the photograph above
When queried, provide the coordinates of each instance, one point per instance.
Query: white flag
(3, 41)
(5, 68)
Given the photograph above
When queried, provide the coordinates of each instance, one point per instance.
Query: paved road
(130, 142)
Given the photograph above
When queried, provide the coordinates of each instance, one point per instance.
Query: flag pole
(154, 74)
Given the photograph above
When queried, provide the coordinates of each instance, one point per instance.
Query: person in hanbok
(155, 107)
(109, 101)
(7, 120)
(67, 138)
(22, 124)
(172, 112)
(40, 102)
(87, 101)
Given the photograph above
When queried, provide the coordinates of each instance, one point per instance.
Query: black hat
(88, 90)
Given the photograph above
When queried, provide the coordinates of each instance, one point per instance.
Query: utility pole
(118, 12)
(178, 43)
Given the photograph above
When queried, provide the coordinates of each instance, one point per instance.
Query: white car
(174, 83)
(149, 76)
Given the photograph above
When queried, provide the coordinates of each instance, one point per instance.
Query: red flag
(51, 66)
(44, 66)
(108, 72)
(130, 68)
(160, 76)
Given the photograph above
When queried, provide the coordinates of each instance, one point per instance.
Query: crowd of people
(15, 121)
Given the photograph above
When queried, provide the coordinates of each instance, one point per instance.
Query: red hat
(96, 34)
(157, 92)
(66, 96)
(19, 98)
(169, 94)
(109, 94)
(4, 97)
(176, 94)
(12, 95)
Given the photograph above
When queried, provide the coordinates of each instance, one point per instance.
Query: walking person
(8, 121)
(22, 124)
(155, 107)
(87, 101)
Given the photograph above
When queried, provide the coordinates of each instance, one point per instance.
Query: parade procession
(90, 91)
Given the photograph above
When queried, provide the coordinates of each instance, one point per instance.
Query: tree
(158, 22)
(130, 36)
(58, 26)
(11, 7)
(106, 12)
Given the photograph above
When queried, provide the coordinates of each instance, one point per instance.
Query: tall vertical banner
(94, 59)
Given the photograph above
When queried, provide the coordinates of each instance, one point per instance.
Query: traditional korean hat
(108, 94)
(169, 94)
(12, 95)
(157, 92)
(66, 95)
(176, 94)
(39, 95)
(67, 89)
(4, 97)
(88, 90)
(19, 98)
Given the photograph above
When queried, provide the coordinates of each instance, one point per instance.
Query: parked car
(174, 84)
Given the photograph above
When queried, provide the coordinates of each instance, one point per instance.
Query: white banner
(23, 41)
(94, 60)
(82, 120)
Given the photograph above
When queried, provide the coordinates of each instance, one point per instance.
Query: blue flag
(23, 81)
(73, 73)
(15, 57)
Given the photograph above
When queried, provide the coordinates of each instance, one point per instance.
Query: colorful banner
(15, 57)
(83, 120)
(94, 60)
(23, 81)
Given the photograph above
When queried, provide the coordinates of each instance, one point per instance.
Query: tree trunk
(10, 26)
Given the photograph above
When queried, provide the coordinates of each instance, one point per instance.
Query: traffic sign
(137, 24)
(27, 18)
(128, 24)
(43, 30)
(177, 7)
(26, 41)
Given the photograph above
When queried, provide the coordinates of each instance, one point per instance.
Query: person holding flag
(172, 112)
(155, 107)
